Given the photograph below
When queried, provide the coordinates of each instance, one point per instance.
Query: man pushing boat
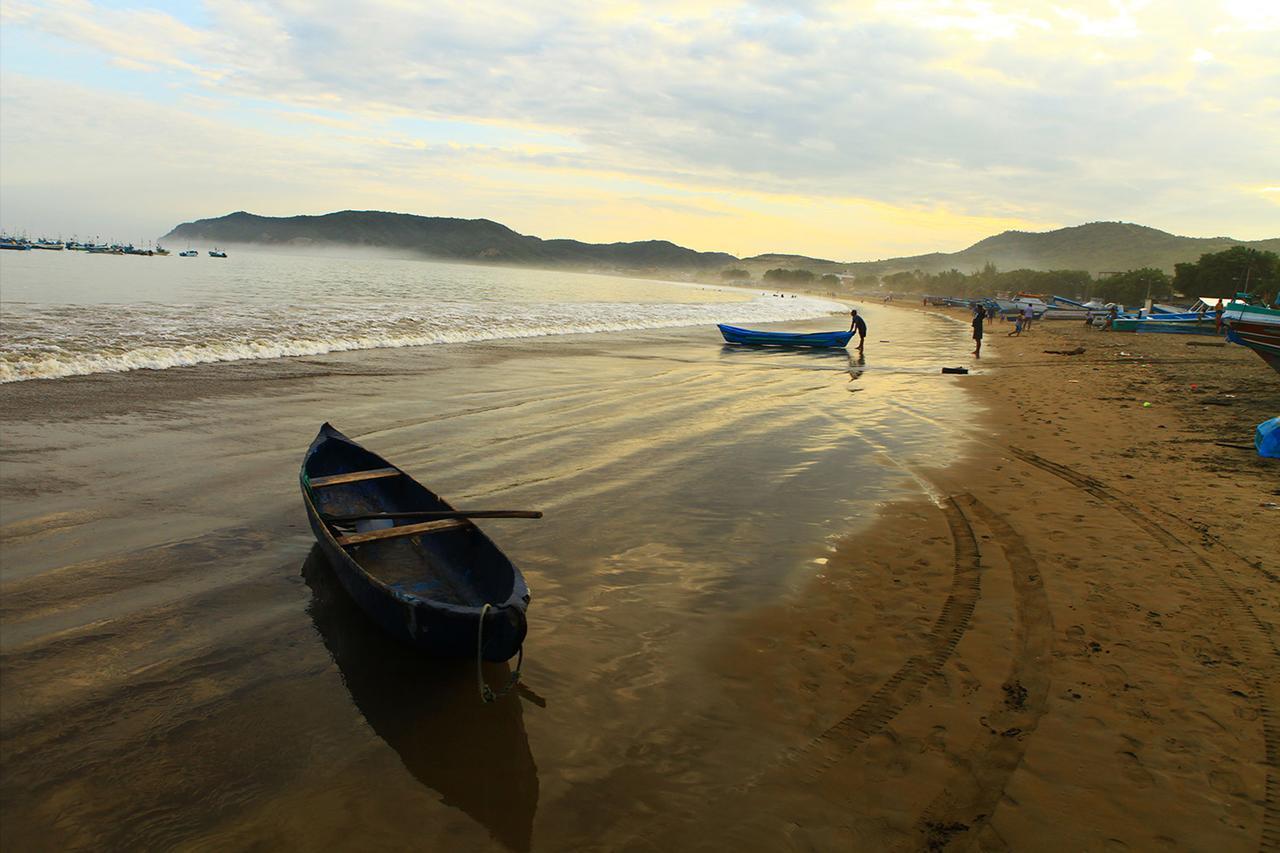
(857, 324)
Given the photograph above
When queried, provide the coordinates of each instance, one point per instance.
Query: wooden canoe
(427, 583)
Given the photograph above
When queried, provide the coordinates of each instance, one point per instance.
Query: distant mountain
(1095, 247)
(439, 237)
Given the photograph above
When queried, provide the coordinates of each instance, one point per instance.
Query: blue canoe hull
(428, 590)
(734, 335)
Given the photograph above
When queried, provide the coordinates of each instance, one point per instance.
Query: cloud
(1036, 112)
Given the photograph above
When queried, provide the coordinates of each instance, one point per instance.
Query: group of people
(1021, 323)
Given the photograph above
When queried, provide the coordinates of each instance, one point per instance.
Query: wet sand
(781, 601)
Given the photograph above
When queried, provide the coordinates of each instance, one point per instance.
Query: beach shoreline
(1014, 638)
(1072, 645)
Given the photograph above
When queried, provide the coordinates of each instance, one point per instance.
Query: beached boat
(438, 584)
(1169, 324)
(1255, 327)
(734, 335)
(217, 253)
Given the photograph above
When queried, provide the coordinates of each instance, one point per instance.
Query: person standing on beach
(1217, 316)
(857, 324)
(979, 314)
(1028, 314)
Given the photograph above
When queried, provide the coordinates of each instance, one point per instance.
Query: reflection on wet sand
(429, 711)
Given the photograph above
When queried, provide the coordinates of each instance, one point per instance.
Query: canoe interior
(461, 566)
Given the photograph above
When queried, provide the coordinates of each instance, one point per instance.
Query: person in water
(857, 324)
(979, 315)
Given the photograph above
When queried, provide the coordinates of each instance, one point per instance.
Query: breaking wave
(49, 342)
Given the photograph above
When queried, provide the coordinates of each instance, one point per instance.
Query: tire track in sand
(958, 814)
(1264, 679)
(904, 686)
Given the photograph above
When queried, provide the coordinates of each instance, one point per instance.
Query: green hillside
(439, 237)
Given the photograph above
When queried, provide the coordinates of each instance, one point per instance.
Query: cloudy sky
(849, 130)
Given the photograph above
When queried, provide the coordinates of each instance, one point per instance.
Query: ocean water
(71, 313)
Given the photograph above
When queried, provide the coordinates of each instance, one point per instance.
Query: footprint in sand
(1131, 768)
(1227, 782)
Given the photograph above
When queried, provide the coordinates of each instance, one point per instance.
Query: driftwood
(1076, 351)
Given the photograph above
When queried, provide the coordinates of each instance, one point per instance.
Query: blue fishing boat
(419, 568)
(734, 335)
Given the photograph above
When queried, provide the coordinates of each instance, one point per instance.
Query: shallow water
(71, 313)
(180, 672)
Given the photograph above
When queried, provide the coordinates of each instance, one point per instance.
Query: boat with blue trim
(751, 337)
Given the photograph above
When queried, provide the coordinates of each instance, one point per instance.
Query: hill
(1095, 247)
(444, 238)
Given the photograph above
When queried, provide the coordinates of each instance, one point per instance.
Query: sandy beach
(781, 601)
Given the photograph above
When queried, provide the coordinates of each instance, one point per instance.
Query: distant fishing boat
(750, 337)
(217, 253)
(15, 245)
(419, 568)
(189, 253)
(49, 245)
(1256, 327)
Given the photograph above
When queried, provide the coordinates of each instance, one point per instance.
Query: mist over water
(69, 313)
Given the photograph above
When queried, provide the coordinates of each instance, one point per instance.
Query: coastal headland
(781, 600)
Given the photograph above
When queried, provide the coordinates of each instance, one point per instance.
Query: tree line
(1215, 274)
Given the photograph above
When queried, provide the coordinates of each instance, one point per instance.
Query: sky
(851, 131)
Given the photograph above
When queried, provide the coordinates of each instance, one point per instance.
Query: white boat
(217, 253)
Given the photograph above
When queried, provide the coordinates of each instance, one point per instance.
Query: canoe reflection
(429, 711)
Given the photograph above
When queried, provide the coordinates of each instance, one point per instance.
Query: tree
(1226, 273)
(832, 280)
(789, 276)
(735, 274)
(1134, 287)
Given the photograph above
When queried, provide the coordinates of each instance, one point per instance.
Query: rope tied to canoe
(487, 693)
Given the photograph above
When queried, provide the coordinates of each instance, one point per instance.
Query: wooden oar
(456, 513)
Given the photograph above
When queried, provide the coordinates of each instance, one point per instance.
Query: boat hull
(751, 337)
(1201, 326)
(1255, 327)
(1264, 339)
(408, 608)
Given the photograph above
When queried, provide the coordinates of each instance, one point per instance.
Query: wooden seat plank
(353, 477)
(402, 530)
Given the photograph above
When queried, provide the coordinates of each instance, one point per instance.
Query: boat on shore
(1256, 327)
(1168, 324)
(437, 584)
(217, 253)
(751, 337)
